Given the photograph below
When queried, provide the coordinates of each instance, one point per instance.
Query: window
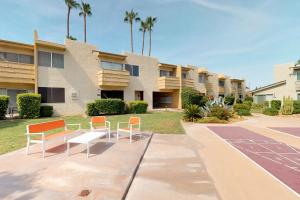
(3, 91)
(57, 60)
(17, 58)
(201, 78)
(112, 94)
(44, 59)
(239, 85)
(49, 59)
(111, 65)
(298, 96)
(164, 73)
(133, 69)
(221, 83)
(184, 75)
(298, 75)
(52, 95)
(138, 95)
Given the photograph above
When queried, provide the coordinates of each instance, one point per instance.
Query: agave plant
(217, 108)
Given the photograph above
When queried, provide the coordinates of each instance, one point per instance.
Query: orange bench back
(100, 119)
(46, 126)
(134, 120)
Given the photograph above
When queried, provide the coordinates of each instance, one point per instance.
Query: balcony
(297, 85)
(168, 83)
(188, 83)
(16, 73)
(113, 78)
(221, 90)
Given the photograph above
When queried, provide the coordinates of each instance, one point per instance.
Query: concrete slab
(172, 169)
(105, 174)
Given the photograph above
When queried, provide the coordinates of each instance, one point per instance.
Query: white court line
(252, 161)
(285, 133)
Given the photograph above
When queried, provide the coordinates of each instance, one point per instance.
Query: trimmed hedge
(106, 107)
(296, 107)
(241, 106)
(229, 100)
(46, 111)
(29, 105)
(4, 101)
(276, 104)
(137, 107)
(270, 111)
(244, 112)
(190, 96)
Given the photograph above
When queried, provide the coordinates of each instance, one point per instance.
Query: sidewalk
(172, 169)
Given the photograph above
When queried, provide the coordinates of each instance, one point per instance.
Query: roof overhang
(277, 84)
(16, 45)
(202, 70)
(237, 80)
(296, 67)
(52, 45)
(111, 56)
(221, 76)
(167, 65)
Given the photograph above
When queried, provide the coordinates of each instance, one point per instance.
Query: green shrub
(192, 113)
(270, 111)
(244, 112)
(46, 111)
(212, 120)
(248, 103)
(4, 101)
(296, 107)
(219, 112)
(91, 109)
(276, 104)
(229, 100)
(110, 106)
(239, 100)
(203, 100)
(266, 104)
(190, 96)
(287, 106)
(248, 98)
(241, 106)
(257, 108)
(138, 107)
(29, 105)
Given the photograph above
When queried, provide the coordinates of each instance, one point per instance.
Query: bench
(41, 129)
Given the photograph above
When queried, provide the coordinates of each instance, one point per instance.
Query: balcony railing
(221, 90)
(168, 83)
(113, 78)
(16, 73)
(188, 83)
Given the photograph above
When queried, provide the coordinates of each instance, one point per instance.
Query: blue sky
(237, 37)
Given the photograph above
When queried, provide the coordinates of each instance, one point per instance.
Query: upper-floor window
(298, 96)
(221, 83)
(184, 75)
(52, 95)
(298, 75)
(201, 78)
(50, 59)
(239, 85)
(164, 73)
(133, 69)
(17, 58)
(111, 65)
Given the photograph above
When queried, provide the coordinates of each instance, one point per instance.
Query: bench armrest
(79, 126)
(29, 134)
(107, 123)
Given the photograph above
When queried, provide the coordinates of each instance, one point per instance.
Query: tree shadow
(18, 187)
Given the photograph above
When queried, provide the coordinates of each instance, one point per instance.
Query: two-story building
(70, 75)
(287, 83)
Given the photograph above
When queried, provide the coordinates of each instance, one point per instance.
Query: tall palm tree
(70, 5)
(143, 29)
(150, 21)
(85, 11)
(129, 18)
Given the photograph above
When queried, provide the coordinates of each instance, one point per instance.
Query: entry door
(13, 96)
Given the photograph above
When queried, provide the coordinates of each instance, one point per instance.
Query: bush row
(114, 107)
(243, 109)
(190, 96)
(4, 100)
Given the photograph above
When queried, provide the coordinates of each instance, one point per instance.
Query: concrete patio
(105, 174)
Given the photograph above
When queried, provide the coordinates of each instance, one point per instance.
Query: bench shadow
(135, 137)
(98, 148)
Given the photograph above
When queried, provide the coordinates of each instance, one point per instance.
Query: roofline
(119, 56)
(20, 44)
(51, 44)
(167, 65)
(269, 86)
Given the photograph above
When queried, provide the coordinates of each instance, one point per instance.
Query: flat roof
(109, 55)
(50, 44)
(167, 65)
(16, 44)
(269, 86)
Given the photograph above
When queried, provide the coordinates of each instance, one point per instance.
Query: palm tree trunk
(68, 23)
(131, 36)
(150, 42)
(84, 29)
(143, 43)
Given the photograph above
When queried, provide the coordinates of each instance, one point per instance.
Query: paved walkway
(172, 169)
(105, 174)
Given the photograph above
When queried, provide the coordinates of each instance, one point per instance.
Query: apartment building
(70, 75)
(287, 83)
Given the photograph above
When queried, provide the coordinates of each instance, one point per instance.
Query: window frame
(49, 95)
(104, 61)
(222, 81)
(131, 72)
(4, 58)
(203, 78)
(51, 59)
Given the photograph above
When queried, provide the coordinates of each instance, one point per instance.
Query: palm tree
(85, 11)
(143, 29)
(129, 18)
(150, 21)
(70, 4)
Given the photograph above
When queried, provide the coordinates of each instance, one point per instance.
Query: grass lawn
(12, 131)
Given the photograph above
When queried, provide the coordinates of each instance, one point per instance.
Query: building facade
(70, 75)
(287, 83)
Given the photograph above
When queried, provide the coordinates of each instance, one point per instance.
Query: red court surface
(295, 131)
(279, 159)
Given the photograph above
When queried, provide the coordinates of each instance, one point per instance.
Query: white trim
(252, 161)
(277, 131)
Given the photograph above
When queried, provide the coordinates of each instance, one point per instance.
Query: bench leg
(68, 148)
(87, 150)
(130, 135)
(117, 134)
(27, 147)
(43, 149)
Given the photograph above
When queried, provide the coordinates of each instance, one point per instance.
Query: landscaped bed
(12, 135)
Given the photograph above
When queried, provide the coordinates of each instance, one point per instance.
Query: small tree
(287, 106)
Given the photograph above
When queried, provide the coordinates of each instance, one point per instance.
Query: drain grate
(84, 193)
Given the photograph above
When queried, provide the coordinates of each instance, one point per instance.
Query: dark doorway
(138, 95)
(112, 94)
(162, 100)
